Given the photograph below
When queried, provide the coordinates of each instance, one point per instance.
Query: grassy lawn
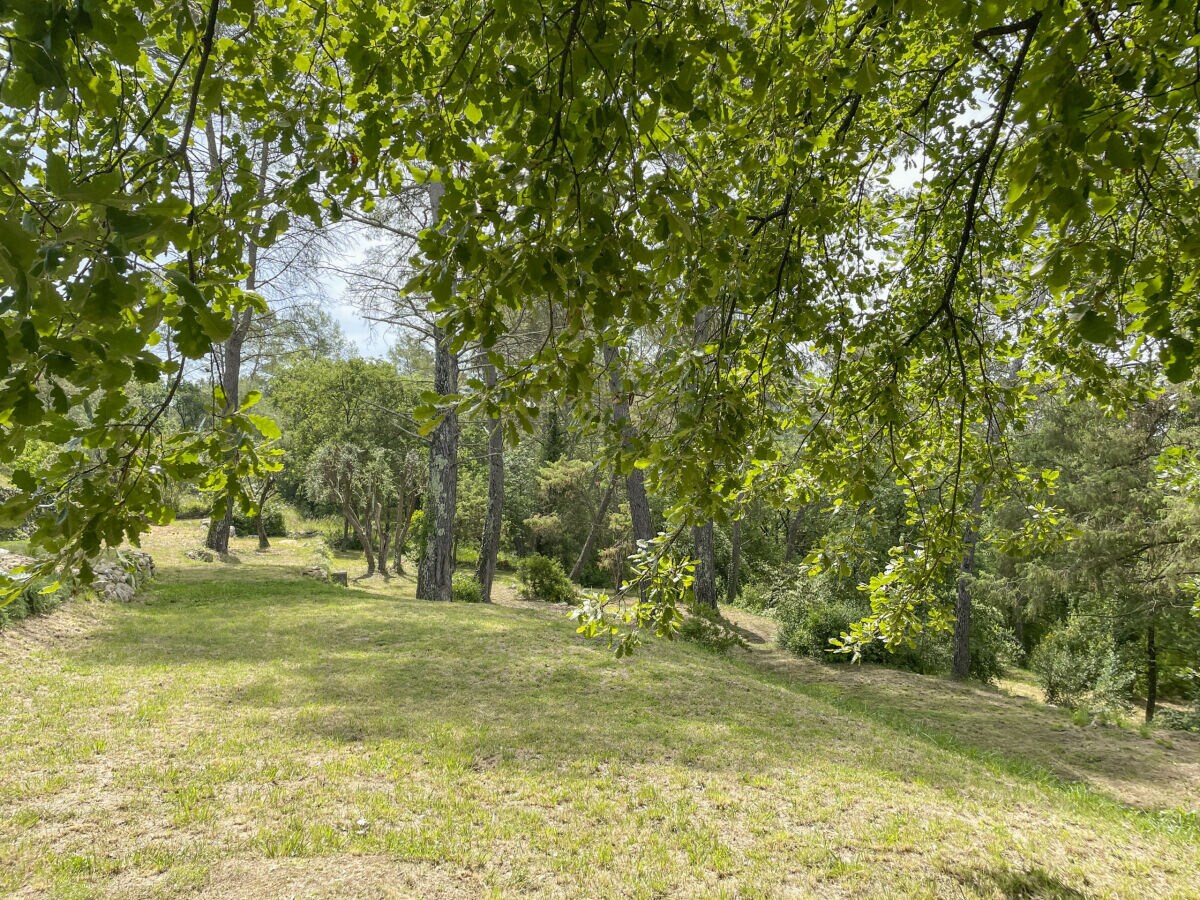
(248, 732)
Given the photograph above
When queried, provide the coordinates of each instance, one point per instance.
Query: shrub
(1077, 665)
(272, 518)
(994, 647)
(754, 597)
(1179, 720)
(336, 537)
(810, 612)
(30, 602)
(466, 589)
(543, 578)
(192, 508)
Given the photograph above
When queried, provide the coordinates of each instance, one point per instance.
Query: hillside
(248, 732)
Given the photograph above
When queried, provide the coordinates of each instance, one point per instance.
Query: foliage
(122, 250)
(272, 521)
(994, 647)
(754, 597)
(36, 597)
(543, 578)
(1078, 665)
(466, 589)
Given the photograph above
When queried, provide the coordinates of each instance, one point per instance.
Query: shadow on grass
(472, 683)
(1014, 884)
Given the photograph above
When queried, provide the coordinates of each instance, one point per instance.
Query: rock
(118, 579)
(341, 578)
(10, 560)
(201, 554)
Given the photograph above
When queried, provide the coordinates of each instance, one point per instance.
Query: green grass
(249, 732)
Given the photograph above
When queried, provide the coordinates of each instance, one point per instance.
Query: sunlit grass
(251, 732)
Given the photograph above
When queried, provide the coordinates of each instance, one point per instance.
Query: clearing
(248, 732)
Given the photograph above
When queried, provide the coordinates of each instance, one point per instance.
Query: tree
(352, 442)
(707, 165)
(109, 248)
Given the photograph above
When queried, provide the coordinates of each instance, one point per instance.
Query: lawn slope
(247, 732)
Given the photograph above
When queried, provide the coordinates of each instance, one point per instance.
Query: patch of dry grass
(248, 732)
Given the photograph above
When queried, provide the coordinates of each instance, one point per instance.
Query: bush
(813, 610)
(1077, 665)
(1179, 720)
(30, 602)
(336, 537)
(272, 518)
(192, 508)
(543, 578)
(754, 597)
(466, 589)
(810, 612)
(994, 647)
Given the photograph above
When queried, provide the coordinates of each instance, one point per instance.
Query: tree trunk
(705, 584)
(733, 581)
(635, 481)
(362, 536)
(263, 542)
(593, 535)
(793, 535)
(381, 535)
(403, 522)
(435, 574)
(231, 361)
(493, 519)
(1151, 674)
(961, 664)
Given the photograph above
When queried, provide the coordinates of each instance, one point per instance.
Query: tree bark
(593, 535)
(961, 664)
(635, 481)
(217, 538)
(435, 573)
(704, 585)
(493, 519)
(363, 537)
(1151, 673)
(733, 582)
(793, 535)
(263, 542)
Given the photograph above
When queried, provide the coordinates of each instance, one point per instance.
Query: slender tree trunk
(403, 522)
(381, 535)
(705, 584)
(635, 481)
(793, 535)
(733, 581)
(493, 519)
(435, 574)
(361, 533)
(231, 359)
(263, 542)
(593, 535)
(1151, 673)
(961, 664)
